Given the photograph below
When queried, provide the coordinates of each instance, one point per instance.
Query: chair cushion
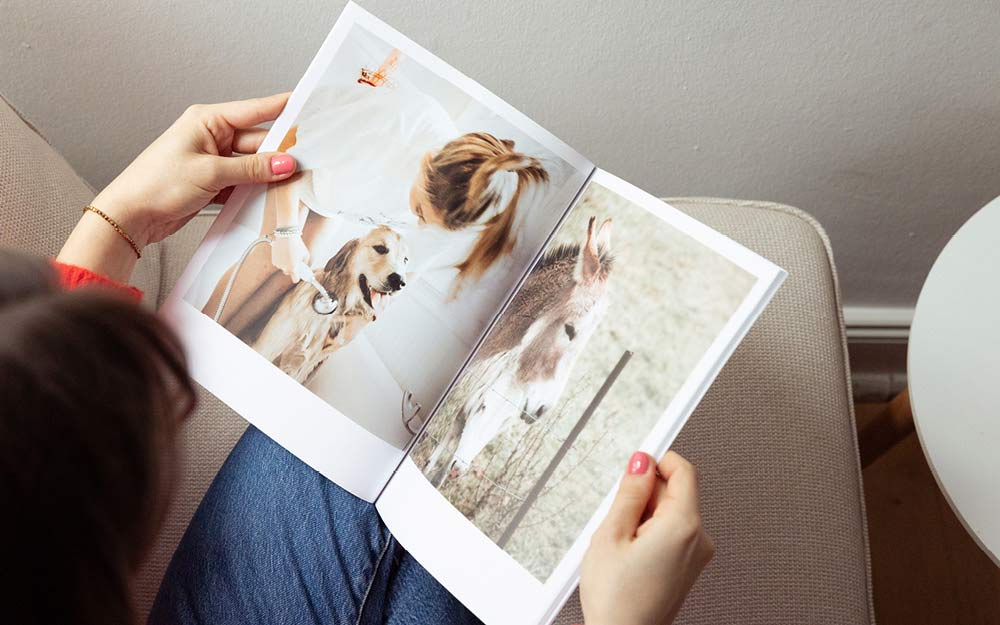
(41, 199)
(773, 439)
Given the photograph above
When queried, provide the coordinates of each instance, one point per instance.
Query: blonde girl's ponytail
(478, 179)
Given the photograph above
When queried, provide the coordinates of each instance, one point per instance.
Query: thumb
(254, 168)
(632, 498)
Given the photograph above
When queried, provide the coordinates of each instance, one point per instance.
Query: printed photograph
(369, 275)
(579, 368)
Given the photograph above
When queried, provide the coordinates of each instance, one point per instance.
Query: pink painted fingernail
(282, 164)
(638, 464)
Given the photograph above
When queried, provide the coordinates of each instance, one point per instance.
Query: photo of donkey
(525, 363)
(589, 354)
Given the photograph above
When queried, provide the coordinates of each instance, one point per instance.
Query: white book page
(346, 392)
(607, 347)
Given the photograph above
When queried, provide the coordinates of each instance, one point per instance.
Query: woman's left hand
(650, 549)
(195, 162)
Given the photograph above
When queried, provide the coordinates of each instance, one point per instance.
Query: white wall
(880, 118)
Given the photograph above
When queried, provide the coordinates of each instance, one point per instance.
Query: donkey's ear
(339, 260)
(591, 244)
(604, 235)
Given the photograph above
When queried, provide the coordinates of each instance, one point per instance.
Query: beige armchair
(774, 439)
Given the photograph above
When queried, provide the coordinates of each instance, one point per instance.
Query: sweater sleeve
(72, 277)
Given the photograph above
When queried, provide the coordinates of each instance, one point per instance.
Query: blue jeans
(275, 542)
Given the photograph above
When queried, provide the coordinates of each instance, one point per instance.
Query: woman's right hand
(289, 254)
(199, 159)
(650, 549)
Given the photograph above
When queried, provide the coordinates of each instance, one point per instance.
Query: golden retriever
(362, 277)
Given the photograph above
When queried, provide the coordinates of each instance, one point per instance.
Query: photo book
(452, 314)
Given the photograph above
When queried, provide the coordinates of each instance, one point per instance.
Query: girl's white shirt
(364, 147)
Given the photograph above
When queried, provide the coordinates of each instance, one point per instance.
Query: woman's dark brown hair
(93, 389)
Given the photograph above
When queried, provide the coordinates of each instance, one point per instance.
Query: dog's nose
(396, 281)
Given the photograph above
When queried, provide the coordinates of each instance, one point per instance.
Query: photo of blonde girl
(467, 191)
(413, 212)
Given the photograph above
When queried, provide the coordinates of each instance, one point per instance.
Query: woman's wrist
(94, 244)
(285, 220)
(122, 212)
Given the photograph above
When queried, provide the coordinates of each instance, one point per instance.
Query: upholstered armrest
(41, 199)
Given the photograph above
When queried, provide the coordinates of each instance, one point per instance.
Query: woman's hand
(291, 256)
(649, 550)
(195, 162)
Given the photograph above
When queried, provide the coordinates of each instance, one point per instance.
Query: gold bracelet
(118, 229)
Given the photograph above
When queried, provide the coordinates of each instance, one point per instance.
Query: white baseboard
(877, 339)
(878, 323)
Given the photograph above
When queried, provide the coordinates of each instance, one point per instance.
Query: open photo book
(452, 314)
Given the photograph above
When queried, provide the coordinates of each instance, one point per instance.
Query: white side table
(954, 375)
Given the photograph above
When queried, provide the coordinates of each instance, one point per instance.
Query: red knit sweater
(71, 277)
